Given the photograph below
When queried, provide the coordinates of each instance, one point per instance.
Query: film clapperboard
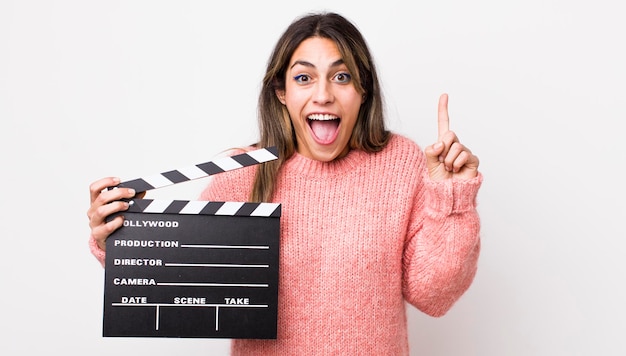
(194, 268)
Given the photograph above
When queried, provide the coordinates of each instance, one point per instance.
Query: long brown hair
(275, 125)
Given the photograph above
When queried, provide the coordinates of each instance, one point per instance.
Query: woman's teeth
(322, 117)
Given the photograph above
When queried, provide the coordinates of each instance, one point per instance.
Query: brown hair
(275, 125)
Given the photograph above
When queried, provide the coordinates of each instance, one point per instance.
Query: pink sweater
(359, 236)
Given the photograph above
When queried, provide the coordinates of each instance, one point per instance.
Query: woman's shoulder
(402, 140)
(402, 147)
(401, 161)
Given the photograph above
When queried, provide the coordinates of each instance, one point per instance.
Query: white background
(131, 88)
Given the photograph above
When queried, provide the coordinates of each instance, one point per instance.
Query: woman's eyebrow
(309, 64)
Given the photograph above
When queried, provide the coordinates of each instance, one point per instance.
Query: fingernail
(131, 191)
(441, 159)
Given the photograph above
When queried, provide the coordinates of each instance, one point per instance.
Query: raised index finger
(442, 118)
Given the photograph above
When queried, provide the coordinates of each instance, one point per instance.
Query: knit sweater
(359, 236)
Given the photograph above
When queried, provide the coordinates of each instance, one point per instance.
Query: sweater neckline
(304, 166)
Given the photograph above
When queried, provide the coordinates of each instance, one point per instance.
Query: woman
(368, 222)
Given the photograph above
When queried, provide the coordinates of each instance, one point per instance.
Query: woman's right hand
(105, 202)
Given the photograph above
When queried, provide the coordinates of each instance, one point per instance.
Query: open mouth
(324, 127)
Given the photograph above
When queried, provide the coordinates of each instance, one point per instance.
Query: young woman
(369, 220)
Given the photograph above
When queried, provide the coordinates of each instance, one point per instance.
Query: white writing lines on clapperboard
(198, 302)
(194, 302)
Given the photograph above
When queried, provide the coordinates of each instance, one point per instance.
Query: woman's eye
(302, 78)
(343, 77)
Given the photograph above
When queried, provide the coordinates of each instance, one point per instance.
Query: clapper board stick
(201, 170)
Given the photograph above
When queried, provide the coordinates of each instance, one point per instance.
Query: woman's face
(321, 98)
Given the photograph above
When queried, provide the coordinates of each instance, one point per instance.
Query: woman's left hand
(448, 158)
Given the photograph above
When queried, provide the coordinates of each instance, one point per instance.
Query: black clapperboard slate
(193, 269)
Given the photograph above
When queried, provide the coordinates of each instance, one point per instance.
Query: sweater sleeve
(441, 253)
(99, 253)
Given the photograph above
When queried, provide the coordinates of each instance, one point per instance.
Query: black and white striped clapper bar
(194, 269)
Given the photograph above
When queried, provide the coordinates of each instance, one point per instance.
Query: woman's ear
(280, 94)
